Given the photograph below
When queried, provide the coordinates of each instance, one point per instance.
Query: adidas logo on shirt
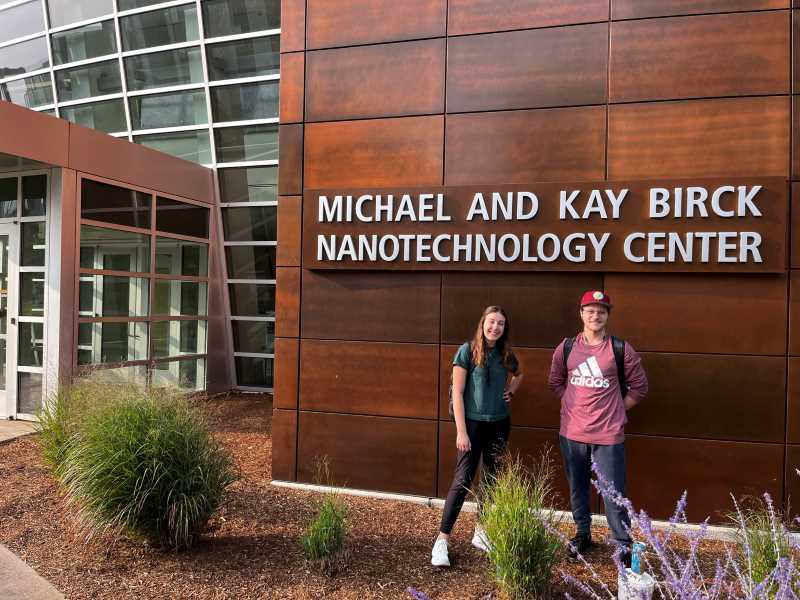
(588, 374)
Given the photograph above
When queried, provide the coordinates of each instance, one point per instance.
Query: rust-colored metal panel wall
(735, 393)
(287, 359)
(396, 455)
(541, 91)
(638, 9)
(28, 135)
(559, 144)
(661, 468)
(378, 153)
(694, 313)
(480, 16)
(792, 492)
(541, 305)
(292, 87)
(287, 302)
(290, 181)
(284, 444)
(694, 138)
(293, 25)
(376, 81)
(352, 22)
(394, 307)
(220, 376)
(290, 210)
(528, 69)
(69, 274)
(660, 59)
(369, 378)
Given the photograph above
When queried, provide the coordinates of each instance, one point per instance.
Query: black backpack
(618, 346)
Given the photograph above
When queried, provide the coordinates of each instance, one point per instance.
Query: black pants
(488, 439)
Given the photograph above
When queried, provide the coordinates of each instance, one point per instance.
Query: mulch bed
(252, 548)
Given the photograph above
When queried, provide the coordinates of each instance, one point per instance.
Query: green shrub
(764, 538)
(60, 416)
(519, 522)
(323, 540)
(145, 464)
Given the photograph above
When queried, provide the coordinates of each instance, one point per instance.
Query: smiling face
(494, 324)
(594, 317)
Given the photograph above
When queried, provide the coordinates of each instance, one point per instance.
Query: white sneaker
(439, 556)
(480, 540)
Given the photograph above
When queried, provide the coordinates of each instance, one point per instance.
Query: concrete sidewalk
(19, 582)
(14, 429)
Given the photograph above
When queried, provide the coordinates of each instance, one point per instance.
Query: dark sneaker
(579, 545)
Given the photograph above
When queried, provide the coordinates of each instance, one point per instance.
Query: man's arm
(557, 379)
(635, 377)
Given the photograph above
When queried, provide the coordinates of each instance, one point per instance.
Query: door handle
(13, 321)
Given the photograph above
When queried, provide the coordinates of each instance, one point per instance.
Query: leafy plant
(145, 464)
(519, 523)
(323, 540)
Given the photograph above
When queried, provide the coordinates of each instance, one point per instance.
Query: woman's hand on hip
(463, 443)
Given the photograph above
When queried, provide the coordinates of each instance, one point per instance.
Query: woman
(481, 393)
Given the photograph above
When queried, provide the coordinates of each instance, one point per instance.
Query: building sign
(723, 225)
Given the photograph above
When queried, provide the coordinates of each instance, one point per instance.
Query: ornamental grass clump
(60, 417)
(144, 464)
(519, 522)
(322, 542)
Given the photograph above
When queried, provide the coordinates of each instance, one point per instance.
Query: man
(598, 378)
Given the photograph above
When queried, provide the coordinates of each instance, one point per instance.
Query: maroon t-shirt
(592, 410)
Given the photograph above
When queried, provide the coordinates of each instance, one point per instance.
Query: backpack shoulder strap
(618, 345)
(568, 343)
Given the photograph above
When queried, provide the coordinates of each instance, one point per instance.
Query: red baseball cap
(596, 297)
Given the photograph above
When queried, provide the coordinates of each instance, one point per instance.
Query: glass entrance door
(8, 320)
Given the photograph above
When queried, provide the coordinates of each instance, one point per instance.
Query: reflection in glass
(64, 12)
(113, 296)
(31, 294)
(129, 4)
(182, 218)
(106, 247)
(174, 109)
(107, 116)
(82, 43)
(113, 204)
(29, 393)
(227, 17)
(97, 79)
(244, 58)
(22, 20)
(253, 142)
(33, 244)
(173, 297)
(161, 69)
(111, 342)
(187, 374)
(136, 374)
(250, 262)
(29, 92)
(174, 338)
(254, 372)
(251, 223)
(252, 299)
(8, 198)
(31, 344)
(176, 257)
(159, 27)
(257, 337)
(248, 184)
(34, 195)
(245, 102)
(24, 57)
(188, 145)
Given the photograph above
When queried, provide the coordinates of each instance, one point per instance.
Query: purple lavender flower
(416, 594)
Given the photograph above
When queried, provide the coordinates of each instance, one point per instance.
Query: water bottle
(636, 557)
